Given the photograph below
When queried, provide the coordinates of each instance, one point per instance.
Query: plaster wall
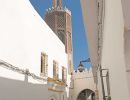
(127, 56)
(24, 35)
(82, 81)
(25, 90)
(57, 95)
(113, 57)
(113, 50)
(126, 13)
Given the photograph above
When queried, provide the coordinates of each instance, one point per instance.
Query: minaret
(58, 19)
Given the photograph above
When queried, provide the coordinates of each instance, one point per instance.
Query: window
(55, 70)
(64, 74)
(44, 64)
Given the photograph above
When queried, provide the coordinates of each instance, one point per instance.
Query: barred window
(44, 64)
(64, 74)
(55, 70)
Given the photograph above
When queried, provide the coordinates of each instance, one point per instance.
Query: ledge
(54, 90)
(56, 81)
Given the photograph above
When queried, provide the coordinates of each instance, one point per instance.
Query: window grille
(64, 74)
(44, 64)
(55, 70)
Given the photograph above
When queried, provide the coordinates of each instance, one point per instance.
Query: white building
(83, 86)
(108, 31)
(28, 43)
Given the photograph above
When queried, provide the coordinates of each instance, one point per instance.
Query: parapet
(52, 9)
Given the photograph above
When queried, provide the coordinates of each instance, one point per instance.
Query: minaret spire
(57, 3)
(54, 3)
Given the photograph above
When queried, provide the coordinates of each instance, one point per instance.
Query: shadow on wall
(21, 90)
(127, 55)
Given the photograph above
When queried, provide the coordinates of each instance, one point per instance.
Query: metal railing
(21, 71)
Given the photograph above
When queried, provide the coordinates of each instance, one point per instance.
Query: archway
(86, 94)
(53, 97)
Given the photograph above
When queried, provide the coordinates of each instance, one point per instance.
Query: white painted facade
(108, 28)
(23, 37)
(82, 81)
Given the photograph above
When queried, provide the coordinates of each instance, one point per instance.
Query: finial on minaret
(54, 3)
(57, 3)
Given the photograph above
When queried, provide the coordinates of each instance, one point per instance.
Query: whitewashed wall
(127, 55)
(21, 90)
(126, 12)
(82, 81)
(114, 56)
(57, 96)
(113, 49)
(23, 36)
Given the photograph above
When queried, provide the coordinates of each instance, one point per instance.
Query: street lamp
(80, 66)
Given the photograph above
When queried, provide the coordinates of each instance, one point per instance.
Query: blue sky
(80, 48)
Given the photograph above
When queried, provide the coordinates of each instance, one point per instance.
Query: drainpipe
(102, 83)
(101, 7)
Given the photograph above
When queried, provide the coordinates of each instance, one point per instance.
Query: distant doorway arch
(53, 97)
(86, 94)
